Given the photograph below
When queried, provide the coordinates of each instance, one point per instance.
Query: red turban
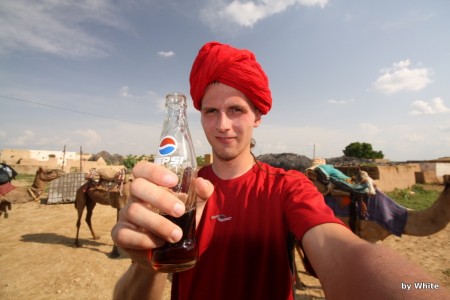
(237, 68)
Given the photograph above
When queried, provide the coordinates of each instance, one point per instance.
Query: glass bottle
(176, 152)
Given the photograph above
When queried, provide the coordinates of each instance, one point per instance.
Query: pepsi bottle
(176, 152)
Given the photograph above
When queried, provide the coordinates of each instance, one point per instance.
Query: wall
(19, 156)
(387, 178)
(433, 172)
(398, 176)
(428, 176)
(441, 170)
(28, 161)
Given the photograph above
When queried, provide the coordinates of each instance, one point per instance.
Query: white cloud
(247, 13)
(22, 140)
(88, 137)
(166, 53)
(124, 92)
(152, 93)
(436, 106)
(444, 128)
(57, 27)
(342, 102)
(401, 77)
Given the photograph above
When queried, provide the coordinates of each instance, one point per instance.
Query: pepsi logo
(167, 146)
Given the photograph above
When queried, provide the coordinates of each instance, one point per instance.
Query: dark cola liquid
(180, 256)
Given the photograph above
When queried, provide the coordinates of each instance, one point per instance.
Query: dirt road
(38, 260)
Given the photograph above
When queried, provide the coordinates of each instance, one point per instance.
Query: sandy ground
(38, 260)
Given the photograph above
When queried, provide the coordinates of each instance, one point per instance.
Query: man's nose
(223, 122)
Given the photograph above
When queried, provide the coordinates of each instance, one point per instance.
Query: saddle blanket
(6, 188)
(381, 209)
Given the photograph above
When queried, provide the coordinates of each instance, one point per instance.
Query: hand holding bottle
(139, 227)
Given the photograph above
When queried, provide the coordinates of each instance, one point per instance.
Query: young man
(247, 210)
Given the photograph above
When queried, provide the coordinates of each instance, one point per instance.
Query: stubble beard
(228, 154)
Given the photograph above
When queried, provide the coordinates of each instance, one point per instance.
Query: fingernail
(176, 234)
(178, 209)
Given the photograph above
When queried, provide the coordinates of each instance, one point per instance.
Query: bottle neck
(176, 116)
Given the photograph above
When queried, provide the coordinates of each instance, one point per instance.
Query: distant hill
(287, 161)
(291, 161)
(114, 159)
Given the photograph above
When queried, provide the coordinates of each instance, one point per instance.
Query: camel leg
(298, 282)
(77, 243)
(5, 205)
(80, 204)
(7, 208)
(32, 193)
(299, 285)
(115, 251)
(90, 205)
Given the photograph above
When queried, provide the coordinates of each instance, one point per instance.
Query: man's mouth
(224, 139)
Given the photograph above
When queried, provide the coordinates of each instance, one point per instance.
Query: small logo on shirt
(221, 218)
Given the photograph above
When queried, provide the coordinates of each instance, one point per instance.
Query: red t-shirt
(243, 234)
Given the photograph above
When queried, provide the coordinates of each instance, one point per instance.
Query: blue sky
(95, 73)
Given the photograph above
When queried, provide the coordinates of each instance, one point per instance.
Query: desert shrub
(417, 197)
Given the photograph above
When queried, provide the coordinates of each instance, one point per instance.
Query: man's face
(228, 119)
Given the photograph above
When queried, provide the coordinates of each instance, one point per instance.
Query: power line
(71, 110)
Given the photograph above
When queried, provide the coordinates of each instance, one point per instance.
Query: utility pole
(64, 157)
(81, 155)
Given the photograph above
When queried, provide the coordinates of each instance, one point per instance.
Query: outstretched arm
(139, 283)
(350, 268)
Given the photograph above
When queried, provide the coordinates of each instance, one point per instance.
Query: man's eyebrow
(207, 108)
(231, 106)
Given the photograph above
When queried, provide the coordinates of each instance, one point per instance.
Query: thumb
(204, 189)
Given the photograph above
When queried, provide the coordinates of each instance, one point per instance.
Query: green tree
(200, 161)
(362, 150)
(131, 160)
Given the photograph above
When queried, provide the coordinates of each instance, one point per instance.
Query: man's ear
(258, 118)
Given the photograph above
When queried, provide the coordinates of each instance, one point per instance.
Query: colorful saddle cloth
(381, 209)
(360, 185)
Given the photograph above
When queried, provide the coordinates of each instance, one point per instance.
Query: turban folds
(237, 68)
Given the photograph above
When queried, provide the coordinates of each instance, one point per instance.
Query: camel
(418, 223)
(106, 187)
(42, 178)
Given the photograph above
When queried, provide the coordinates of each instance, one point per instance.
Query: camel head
(46, 174)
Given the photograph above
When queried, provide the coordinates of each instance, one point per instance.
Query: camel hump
(107, 174)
